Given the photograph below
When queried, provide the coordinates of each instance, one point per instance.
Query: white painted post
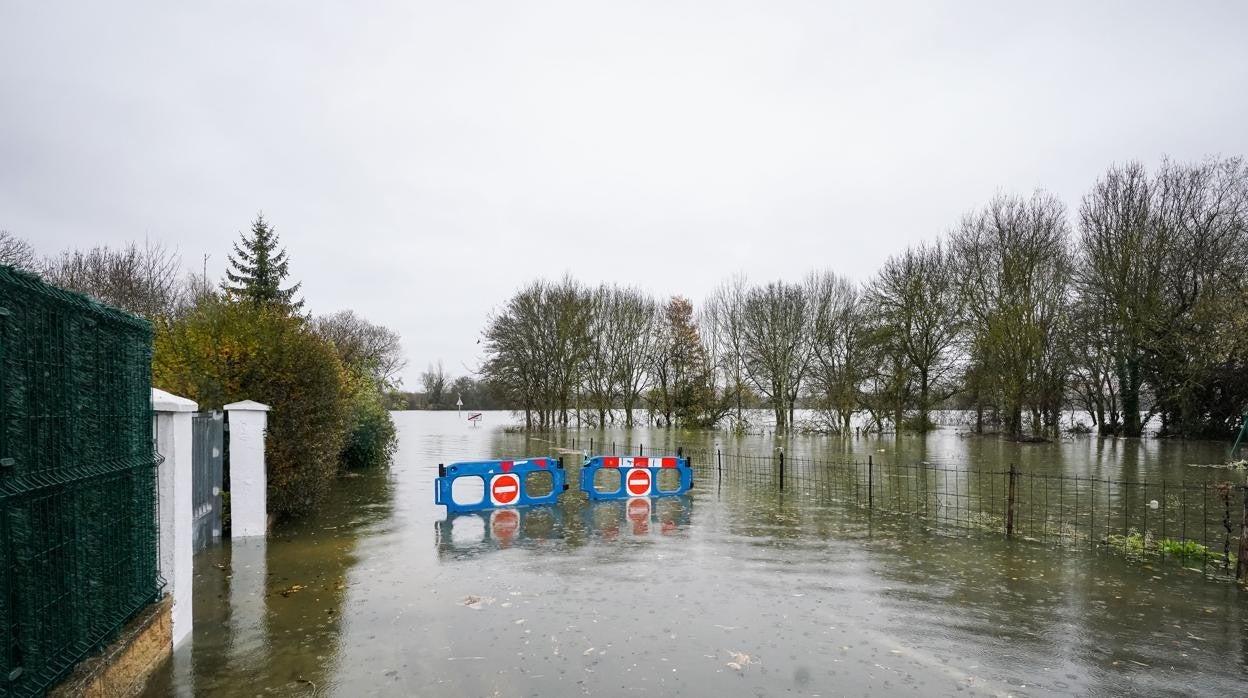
(248, 479)
(171, 423)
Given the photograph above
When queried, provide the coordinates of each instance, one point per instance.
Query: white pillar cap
(168, 402)
(245, 405)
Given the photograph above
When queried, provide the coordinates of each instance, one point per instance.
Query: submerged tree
(776, 344)
(258, 268)
(435, 381)
(915, 301)
(839, 349)
(1119, 277)
(1014, 267)
(683, 393)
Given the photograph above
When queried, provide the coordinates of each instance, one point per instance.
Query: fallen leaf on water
(291, 589)
(477, 602)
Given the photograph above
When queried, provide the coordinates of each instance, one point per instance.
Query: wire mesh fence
(1199, 524)
(78, 503)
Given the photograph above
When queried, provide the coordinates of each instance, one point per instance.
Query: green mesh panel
(78, 535)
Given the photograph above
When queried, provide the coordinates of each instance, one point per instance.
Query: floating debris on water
(1233, 465)
(477, 602)
(740, 661)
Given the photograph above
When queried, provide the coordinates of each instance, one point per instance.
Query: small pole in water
(591, 444)
(870, 484)
(781, 467)
(1241, 567)
(719, 460)
(1009, 503)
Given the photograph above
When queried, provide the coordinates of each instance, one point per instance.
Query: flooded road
(733, 589)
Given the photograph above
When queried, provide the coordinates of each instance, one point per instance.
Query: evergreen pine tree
(258, 267)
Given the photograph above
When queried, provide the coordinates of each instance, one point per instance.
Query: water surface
(734, 589)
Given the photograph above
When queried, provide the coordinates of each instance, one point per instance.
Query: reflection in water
(574, 522)
(763, 592)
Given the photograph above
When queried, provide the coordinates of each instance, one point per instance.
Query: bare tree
(536, 349)
(1014, 274)
(368, 347)
(634, 315)
(435, 382)
(1196, 361)
(1119, 275)
(918, 308)
(144, 280)
(601, 376)
(839, 352)
(723, 328)
(16, 252)
(776, 344)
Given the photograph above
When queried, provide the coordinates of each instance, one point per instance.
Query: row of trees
(1135, 311)
(325, 377)
(443, 391)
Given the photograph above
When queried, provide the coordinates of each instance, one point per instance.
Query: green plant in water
(1136, 544)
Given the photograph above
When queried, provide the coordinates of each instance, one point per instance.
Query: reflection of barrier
(638, 516)
(485, 530)
(627, 476)
(505, 483)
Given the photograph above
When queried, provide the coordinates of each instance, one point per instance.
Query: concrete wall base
(122, 668)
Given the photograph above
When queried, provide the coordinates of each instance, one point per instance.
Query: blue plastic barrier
(639, 477)
(505, 483)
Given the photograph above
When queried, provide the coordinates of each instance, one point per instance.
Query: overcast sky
(423, 160)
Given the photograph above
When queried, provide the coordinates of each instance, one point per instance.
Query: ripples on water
(734, 589)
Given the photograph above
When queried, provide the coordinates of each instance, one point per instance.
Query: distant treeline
(1134, 307)
(443, 392)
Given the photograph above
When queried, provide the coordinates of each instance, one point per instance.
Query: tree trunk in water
(1130, 382)
(925, 391)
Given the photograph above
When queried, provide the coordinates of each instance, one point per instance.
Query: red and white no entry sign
(638, 482)
(504, 489)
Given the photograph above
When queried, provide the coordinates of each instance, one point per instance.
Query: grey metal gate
(207, 445)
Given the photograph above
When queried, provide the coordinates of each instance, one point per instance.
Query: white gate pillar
(171, 423)
(248, 478)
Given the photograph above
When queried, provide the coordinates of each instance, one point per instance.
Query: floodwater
(733, 589)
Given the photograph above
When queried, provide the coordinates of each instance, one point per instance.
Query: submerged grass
(1136, 544)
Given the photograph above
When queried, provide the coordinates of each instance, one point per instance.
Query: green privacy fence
(78, 536)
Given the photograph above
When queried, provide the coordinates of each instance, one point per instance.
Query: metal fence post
(719, 460)
(870, 483)
(1241, 567)
(1009, 502)
(782, 468)
(641, 450)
